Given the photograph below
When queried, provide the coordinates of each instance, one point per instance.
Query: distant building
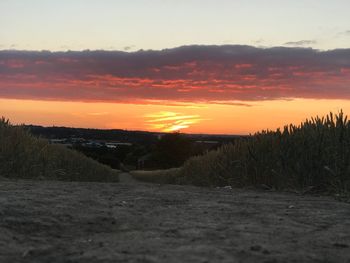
(208, 142)
(114, 145)
(77, 140)
(93, 144)
(58, 141)
(64, 142)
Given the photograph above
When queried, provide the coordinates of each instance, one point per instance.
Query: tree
(172, 150)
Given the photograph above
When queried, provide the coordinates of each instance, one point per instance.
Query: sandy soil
(132, 222)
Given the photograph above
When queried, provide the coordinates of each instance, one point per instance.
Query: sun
(167, 121)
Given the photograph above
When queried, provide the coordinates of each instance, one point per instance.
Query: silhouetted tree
(172, 150)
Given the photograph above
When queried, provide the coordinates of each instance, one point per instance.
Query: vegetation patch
(313, 155)
(24, 156)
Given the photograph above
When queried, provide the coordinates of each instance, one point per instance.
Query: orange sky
(200, 118)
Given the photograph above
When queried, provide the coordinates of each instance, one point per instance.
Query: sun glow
(167, 121)
(198, 118)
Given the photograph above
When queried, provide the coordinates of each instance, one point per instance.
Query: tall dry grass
(314, 154)
(24, 156)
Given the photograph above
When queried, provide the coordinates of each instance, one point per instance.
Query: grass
(26, 157)
(313, 155)
(168, 176)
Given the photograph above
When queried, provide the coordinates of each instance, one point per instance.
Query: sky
(232, 67)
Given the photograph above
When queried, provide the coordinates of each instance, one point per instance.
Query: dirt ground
(46, 221)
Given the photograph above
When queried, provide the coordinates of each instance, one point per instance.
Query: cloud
(259, 41)
(342, 34)
(225, 74)
(301, 43)
(128, 48)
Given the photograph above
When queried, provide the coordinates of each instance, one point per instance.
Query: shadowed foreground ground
(133, 222)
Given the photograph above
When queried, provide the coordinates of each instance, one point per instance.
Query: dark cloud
(301, 43)
(217, 74)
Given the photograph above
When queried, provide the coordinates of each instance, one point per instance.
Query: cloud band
(213, 74)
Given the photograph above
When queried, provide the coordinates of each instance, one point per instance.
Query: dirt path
(135, 222)
(126, 178)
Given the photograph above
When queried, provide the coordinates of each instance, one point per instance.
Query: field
(311, 157)
(26, 157)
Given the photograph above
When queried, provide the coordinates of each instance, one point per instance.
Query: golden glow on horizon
(167, 121)
(203, 118)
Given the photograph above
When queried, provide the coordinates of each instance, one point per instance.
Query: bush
(24, 156)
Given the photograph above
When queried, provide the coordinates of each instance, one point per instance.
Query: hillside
(313, 156)
(24, 156)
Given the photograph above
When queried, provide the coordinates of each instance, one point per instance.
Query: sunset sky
(199, 66)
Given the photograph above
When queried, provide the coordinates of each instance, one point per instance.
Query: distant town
(70, 142)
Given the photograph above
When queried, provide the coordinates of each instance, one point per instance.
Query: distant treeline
(142, 137)
(94, 134)
(148, 150)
